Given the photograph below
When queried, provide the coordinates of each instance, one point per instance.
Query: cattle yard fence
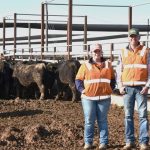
(56, 52)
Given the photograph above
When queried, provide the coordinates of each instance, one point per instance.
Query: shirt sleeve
(81, 72)
(119, 70)
(79, 81)
(79, 85)
(148, 67)
(113, 79)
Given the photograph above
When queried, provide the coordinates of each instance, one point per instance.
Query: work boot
(129, 146)
(88, 146)
(103, 147)
(144, 147)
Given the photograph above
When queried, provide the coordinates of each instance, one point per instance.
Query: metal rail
(87, 5)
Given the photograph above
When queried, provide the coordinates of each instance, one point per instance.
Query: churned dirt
(50, 125)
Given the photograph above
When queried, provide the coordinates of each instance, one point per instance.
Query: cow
(26, 75)
(5, 79)
(65, 76)
(49, 79)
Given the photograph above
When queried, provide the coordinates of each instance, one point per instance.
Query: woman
(93, 81)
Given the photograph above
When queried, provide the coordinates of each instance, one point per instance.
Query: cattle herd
(38, 80)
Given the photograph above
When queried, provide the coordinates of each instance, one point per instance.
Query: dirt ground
(50, 125)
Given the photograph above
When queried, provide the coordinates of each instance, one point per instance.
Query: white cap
(96, 46)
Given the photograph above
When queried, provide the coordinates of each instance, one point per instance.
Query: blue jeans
(132, 95)
(95, 110)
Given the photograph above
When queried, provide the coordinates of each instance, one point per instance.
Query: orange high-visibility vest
(96, 80)
(135, 70)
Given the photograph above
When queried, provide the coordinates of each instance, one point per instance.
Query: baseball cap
(133, 31)
(96, 46)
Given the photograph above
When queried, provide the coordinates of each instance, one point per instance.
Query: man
(134, 82)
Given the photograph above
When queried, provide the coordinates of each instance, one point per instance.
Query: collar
(91, 61)
(139, 47)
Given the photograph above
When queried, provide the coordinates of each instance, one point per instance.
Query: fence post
(111, 54)
(54, 57)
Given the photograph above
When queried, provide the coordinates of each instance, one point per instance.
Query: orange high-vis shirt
(96, 79)
(135, 71)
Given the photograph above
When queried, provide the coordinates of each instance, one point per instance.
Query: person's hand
(122, 90)
(144, 90)
(83, 91)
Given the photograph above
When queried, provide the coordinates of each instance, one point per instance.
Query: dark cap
(133, 31)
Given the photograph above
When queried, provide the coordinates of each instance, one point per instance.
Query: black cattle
(66, 73)
(49, 79)
(5, 79)
(27, 75)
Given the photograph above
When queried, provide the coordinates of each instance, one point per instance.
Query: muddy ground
(50, 125)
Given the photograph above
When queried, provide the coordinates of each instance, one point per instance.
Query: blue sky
(95, 14)
(102, 15)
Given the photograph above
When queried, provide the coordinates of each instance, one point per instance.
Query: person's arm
(79, 85)
(148, 67)
(147, 86)
(79, 81)
(119, 73)
(113, 79)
